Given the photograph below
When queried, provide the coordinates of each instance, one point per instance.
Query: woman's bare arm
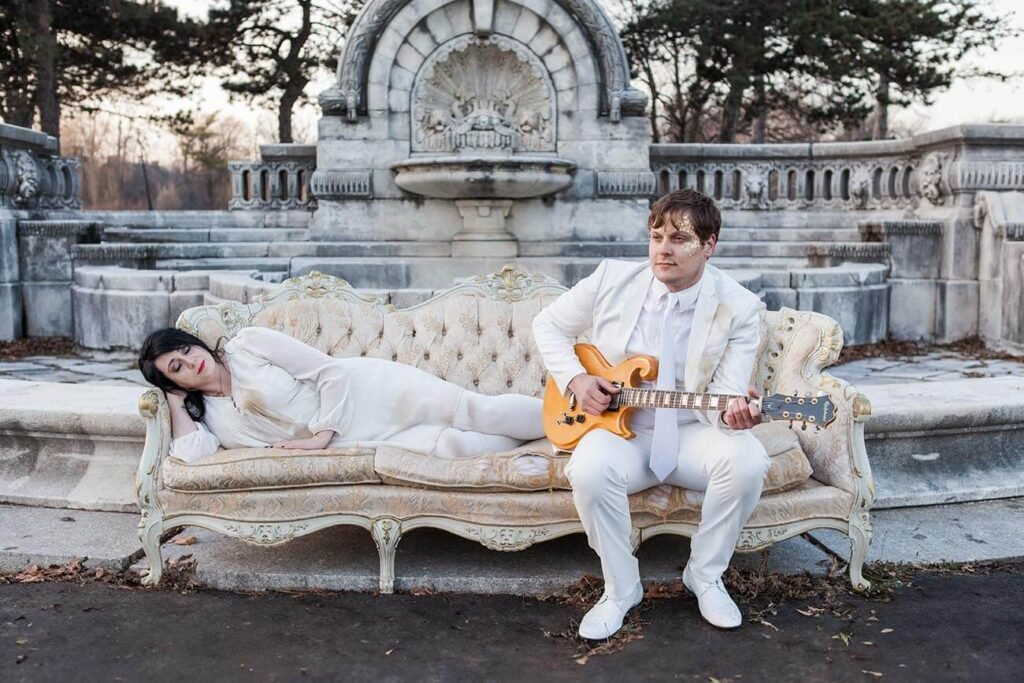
(181, 423)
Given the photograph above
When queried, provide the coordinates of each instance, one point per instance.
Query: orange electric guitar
(565, 423)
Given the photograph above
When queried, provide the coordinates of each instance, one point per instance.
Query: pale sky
(975, 101)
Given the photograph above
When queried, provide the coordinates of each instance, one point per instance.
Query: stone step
(768, 234)
(94, 253)
(838, 251)
(361, 249)
(164, 235)
(946, 441)
(768, 254)
(70, 445)
(265, 264)
(438, 273)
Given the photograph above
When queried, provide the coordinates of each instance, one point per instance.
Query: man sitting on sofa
(703, 327)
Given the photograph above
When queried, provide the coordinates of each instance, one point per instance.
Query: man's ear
(709, 246)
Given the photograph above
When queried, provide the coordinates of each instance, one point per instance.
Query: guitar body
(565, 426)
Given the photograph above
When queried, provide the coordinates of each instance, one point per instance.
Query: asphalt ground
(952, 623)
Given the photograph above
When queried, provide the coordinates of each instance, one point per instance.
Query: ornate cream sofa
(478, 334)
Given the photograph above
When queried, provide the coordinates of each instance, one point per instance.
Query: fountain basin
(459, 177)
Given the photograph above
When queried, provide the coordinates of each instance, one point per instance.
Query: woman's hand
(314, 443)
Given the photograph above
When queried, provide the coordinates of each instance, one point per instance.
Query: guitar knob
(581, 418)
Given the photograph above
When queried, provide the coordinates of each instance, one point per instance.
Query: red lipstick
(202, 366)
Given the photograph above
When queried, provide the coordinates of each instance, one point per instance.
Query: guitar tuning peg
(803, 426)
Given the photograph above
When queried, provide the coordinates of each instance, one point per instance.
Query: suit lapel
(703, 315)
(633, 301)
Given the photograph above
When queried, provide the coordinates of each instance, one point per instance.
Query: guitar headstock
(816, 411)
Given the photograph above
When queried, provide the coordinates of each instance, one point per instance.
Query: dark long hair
(167, 340)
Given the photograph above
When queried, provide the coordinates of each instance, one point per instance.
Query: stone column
(483, 231)
(45, 263)
(915, 260)
(10, 285)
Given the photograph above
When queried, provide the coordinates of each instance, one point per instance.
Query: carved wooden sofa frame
(796, 347)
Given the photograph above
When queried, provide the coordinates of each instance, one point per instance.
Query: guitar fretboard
(655, 398)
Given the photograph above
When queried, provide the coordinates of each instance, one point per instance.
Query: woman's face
(190, 367)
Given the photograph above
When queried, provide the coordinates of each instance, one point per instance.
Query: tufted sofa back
(477, 334)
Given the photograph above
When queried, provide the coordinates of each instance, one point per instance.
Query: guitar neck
(685, 400)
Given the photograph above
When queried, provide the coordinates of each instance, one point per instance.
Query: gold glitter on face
(676, 252)
(684, 227)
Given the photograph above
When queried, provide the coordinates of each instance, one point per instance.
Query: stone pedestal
(45, 261)
(483, 229)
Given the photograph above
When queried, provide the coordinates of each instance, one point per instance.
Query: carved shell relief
(483, 95)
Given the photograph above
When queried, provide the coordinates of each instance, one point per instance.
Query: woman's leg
(511, 415)
(453, 444)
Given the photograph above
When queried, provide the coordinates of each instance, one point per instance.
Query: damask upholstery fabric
(479, 344)
(244, 469)
(810, 499)
(534, 467)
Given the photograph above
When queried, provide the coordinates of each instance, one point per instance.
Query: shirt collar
(684, 299)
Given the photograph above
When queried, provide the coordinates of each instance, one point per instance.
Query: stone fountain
(482, 124)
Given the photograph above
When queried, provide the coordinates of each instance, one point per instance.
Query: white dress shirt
(646, 340)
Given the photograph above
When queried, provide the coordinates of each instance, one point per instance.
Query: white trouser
(605, 469)
(485, 424)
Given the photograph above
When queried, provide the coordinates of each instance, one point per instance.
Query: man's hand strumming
(593, 394)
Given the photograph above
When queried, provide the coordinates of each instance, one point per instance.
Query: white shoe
(605, 618)
(716, 606)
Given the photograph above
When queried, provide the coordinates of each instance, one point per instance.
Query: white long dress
(283, 389)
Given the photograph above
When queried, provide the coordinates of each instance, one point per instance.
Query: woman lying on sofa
(265, 388)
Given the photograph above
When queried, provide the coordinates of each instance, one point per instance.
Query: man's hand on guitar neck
(742, 414)
(593, 394)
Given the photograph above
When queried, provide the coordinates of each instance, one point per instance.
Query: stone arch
(411, 38)
(379, 27)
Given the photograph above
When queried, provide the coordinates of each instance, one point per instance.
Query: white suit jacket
(723, 340)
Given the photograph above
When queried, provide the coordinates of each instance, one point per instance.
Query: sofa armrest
(800, 345)
(154, 409)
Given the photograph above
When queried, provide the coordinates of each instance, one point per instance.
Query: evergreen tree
(721, 70)
(77, 53)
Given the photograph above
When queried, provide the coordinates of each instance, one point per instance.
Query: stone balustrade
(811, 176)
(279, 180)
(32, 173)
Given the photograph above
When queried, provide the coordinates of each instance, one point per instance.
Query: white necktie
(665, 446)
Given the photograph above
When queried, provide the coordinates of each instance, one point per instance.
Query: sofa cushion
(535, 466)
(244, 469)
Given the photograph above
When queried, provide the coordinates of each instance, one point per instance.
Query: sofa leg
(860, 540)
(150, 538)
(386, 532)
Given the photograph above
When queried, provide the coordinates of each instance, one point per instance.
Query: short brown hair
(704, 213)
